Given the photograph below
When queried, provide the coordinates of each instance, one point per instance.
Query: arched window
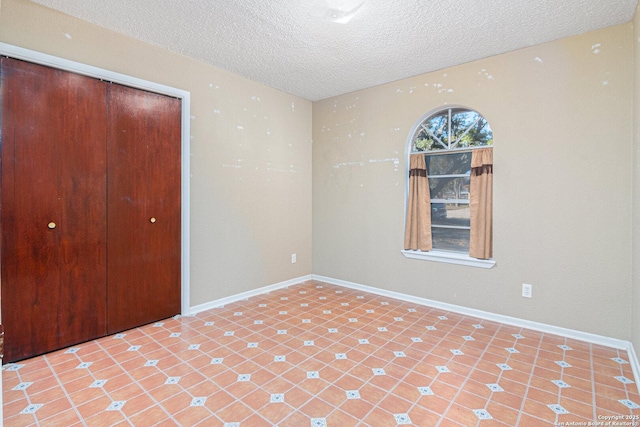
(450, 188)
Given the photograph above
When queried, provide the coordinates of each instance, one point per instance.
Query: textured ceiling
(289, 45)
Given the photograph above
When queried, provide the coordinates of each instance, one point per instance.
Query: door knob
(153, 220)
(52, 225)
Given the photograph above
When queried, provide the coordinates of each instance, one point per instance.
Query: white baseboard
(635, 364)
(514, 321)
(244, 295)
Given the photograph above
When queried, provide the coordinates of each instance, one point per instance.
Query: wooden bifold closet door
(79, 172)
(144, 207)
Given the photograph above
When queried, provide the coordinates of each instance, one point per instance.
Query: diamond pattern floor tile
(317, 354)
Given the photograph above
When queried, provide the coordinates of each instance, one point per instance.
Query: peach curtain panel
(480, 203)
(417, 234)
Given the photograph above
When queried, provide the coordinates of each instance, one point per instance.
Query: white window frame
(436, 255)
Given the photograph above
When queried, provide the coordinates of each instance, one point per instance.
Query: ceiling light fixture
(340, 11)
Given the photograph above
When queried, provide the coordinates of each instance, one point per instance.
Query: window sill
(450, 257)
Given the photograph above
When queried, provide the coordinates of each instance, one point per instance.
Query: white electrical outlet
(293, 258)
(527, 290)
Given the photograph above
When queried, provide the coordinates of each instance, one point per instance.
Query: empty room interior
(288, 276)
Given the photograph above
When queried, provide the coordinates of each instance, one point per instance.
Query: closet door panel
(144, 148)
(53, 198)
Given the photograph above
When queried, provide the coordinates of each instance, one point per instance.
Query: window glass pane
(449, 188)
(449, 164)
(471, 128)
(433, 133)
(426, 142)
(450, 214)
(461, 121)
(450, 239)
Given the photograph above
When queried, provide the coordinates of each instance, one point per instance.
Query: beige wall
(250, 152)
(562, 120)
(635, 320)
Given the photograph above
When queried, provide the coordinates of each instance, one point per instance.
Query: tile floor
(316, 355)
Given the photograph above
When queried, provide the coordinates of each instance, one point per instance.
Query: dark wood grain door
(53, 199)
(144, 149)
